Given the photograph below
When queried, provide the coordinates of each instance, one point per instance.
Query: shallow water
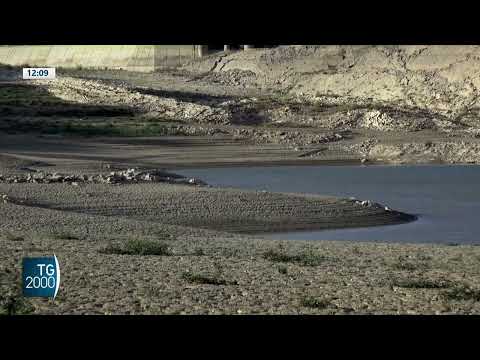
(446, 198)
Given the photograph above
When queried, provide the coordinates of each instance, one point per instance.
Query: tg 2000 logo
(41, 276)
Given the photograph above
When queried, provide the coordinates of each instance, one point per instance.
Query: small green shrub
(305, 259)
(282, 269)
(199, 252)
(206, 279)
(15, 305)
(409, 266)
(462, 293)
(314, 303)
(64, 236)
(139, 247)
(422, 284)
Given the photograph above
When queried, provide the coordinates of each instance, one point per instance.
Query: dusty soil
(288, 105)
(210, 267)
(218, 273)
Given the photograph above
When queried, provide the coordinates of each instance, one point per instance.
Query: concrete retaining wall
(127, 57)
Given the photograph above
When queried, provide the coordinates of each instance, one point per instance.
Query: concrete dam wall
(143, 58)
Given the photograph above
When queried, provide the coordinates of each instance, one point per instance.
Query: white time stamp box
(38, 73)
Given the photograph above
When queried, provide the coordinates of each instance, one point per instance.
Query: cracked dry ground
(208, 271)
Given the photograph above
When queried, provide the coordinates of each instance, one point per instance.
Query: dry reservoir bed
(163, 249)
(230, 210)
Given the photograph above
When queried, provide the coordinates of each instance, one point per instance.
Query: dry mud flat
(197, 206)
(228, 274)
(201, 269)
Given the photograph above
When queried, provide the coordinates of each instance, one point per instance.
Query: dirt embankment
(444, 80)
(391, 89)
(415, 103)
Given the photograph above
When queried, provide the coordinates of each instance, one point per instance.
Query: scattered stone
(452, 152)
(369, 203)
(115, 178)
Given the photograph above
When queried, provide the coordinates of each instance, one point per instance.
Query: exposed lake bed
(261, 237)
(444, 198)
(207, 266)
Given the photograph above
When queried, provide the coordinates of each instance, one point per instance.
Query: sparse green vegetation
(120, 129)
(206, 279)
(422, 283)
(282, 269)
(8, 67)
(15, 305)
(32, 109)
(462, 293)
(28, 100)
(64, 236)
(199, 252)
(138, 247)
(412, 262)
(306, 259)
(409, 266)
(315, 303)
